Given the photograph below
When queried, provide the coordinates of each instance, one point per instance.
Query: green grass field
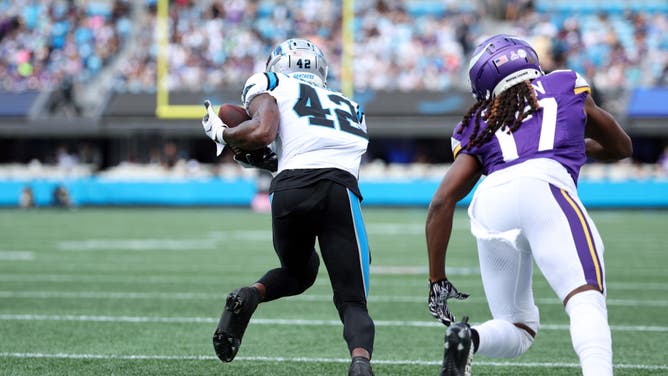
(139, 292)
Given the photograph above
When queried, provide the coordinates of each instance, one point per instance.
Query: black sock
(475, 337)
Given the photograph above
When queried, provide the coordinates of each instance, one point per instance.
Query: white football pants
(518, 219)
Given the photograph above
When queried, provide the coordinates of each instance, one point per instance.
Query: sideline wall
(239, 192)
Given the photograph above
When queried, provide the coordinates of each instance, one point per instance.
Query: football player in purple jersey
(528, 133)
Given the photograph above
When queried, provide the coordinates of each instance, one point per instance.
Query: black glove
(263, 158)
(439, 293)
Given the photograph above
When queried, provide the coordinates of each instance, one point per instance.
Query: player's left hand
(439, 293)
(213, 127)
(264, 158)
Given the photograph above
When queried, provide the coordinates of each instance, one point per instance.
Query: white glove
(213, 127)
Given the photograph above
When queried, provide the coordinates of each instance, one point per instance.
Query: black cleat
(458, 350)
(239, 307)
(360, 366)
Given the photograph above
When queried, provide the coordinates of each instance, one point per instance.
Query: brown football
(232, 114)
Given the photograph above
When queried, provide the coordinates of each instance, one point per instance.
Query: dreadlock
(505, 111)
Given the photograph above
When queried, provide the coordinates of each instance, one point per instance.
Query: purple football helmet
(501, 62)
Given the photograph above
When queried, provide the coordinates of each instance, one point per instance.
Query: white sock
(502, 339)
(590, 332)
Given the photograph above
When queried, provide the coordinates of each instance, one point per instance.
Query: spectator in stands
(662, 81)
(171, 154)
(64, 99)
(43, 41)
(663, 161)
(65, 159)
(27, 198)
(430, 45)
(516, 9)
(61, 197)
(422, 47)
(9, 26)
(89, 154)
(399, 46)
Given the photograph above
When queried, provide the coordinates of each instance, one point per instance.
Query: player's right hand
(439, 293)
(213, 127)
(264, 158)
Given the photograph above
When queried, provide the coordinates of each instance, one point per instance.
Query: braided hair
(505, 111)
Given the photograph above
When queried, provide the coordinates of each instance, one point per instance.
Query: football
(232, 114)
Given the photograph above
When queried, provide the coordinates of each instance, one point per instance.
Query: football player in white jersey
(529, 133)
(319, 136)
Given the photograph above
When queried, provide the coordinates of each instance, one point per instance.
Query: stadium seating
(409, 68)
(406, 46)
(43, 42)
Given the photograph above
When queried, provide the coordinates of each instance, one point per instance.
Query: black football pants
(331, 213)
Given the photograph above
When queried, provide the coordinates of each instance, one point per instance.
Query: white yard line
(287, 322)
(214, 238)
(211, 241)
(157, 279)
(137, 245)
(84, 278)
(308, 297)
(108, 295)
(310, 360)
(17, 256)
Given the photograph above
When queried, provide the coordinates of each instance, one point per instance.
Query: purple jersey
(556, 131)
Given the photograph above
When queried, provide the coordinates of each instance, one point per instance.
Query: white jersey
(319, 128)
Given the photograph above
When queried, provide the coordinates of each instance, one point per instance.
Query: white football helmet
(301, 59)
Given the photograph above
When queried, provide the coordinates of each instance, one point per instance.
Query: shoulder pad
(456, 139)
(257, 84)
(456, 146)
(581, 85)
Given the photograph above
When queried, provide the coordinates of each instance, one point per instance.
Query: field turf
(139, 291)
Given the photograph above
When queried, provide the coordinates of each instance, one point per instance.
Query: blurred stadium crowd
(399, 45)
(43, 43)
